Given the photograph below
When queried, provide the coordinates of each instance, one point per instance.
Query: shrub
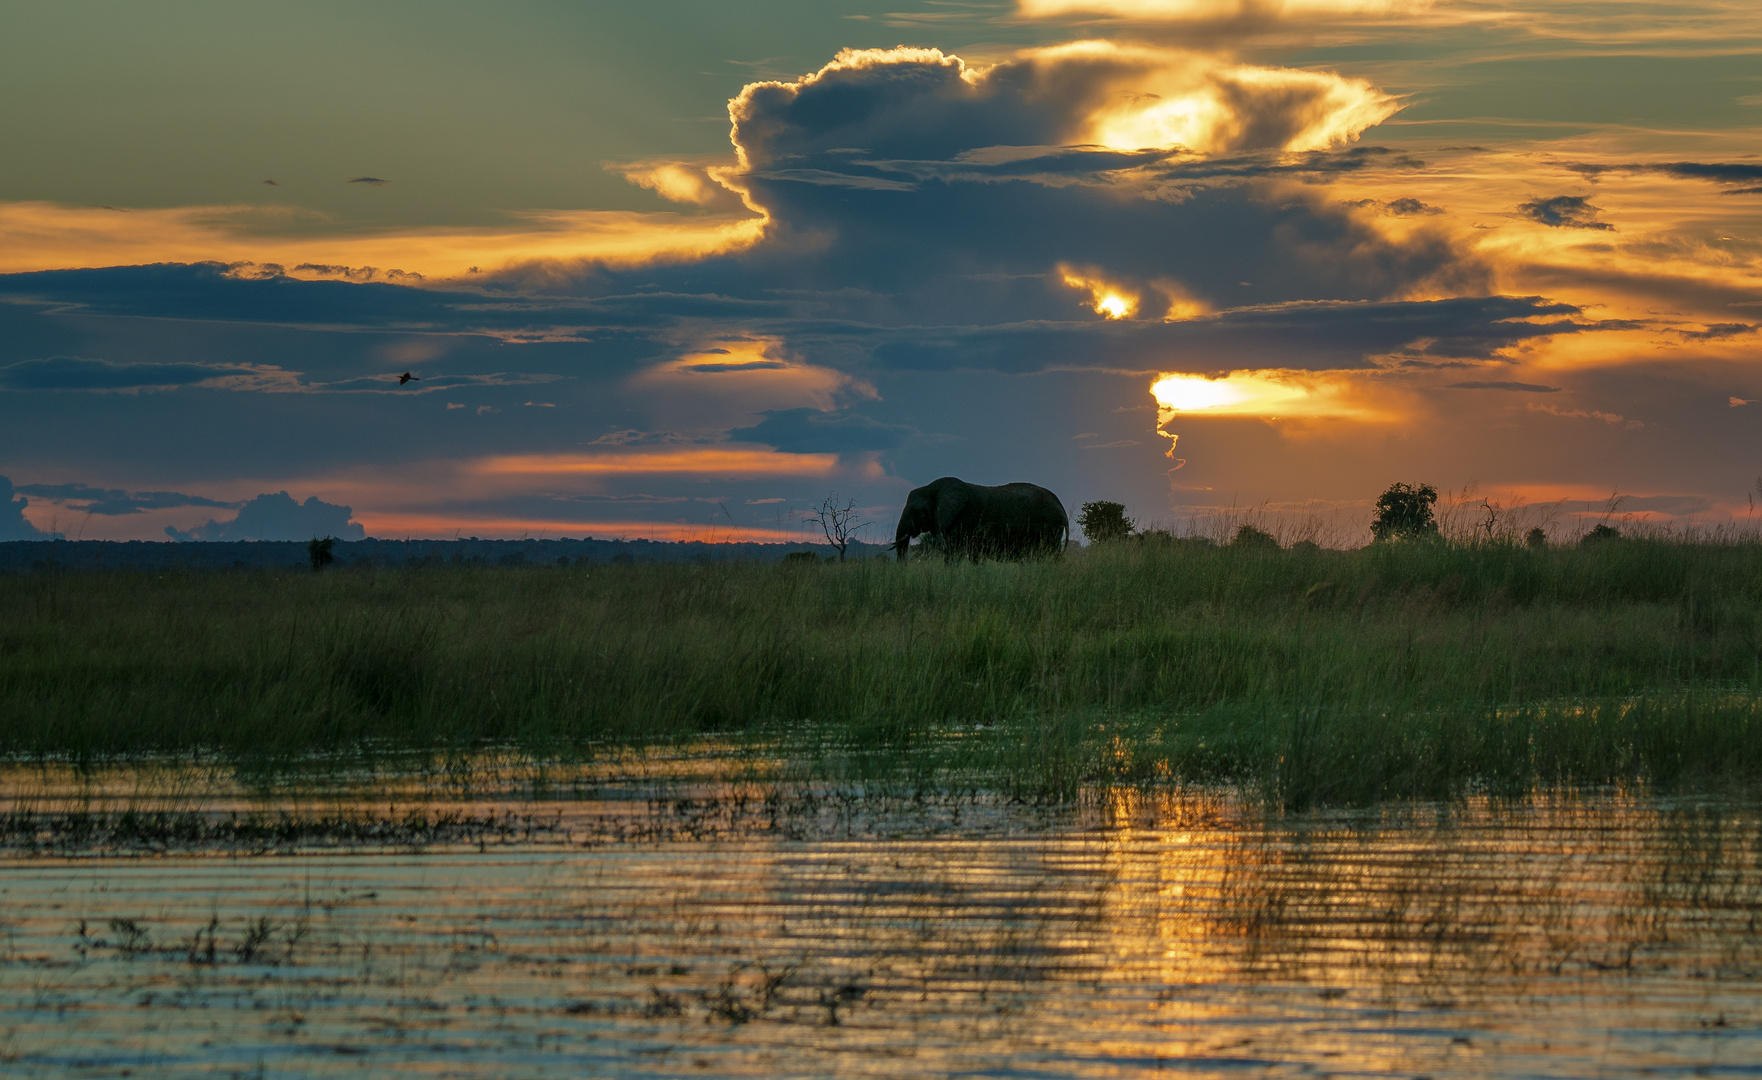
(1247, 536)
(1103, 522)
(1536, 540)
(320, 552)
(1404, 512)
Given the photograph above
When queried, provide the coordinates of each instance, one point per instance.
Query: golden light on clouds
(1240, 394)
(1197, 101)
(49, 236)
(732, 377)
(1184, 10)
(1267, 395)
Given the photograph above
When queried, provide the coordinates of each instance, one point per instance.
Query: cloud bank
(13, 524)
(278, 517)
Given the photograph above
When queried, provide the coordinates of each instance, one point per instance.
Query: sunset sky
(681, 269)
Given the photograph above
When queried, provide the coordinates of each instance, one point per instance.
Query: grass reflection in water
(772, 929)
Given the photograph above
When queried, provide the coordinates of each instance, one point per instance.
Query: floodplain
(1442, 810)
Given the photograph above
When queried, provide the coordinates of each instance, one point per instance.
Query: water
(675, 926)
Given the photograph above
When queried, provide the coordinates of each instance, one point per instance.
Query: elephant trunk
(909, 526)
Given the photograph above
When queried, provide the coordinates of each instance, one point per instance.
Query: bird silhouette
(407, 377)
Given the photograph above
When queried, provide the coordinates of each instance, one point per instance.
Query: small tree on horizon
(1404, 512)
(1103, 522)
(839, 523)
(1247, 536)
(319, 552)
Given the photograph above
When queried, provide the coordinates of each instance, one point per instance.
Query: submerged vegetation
(1308, 675)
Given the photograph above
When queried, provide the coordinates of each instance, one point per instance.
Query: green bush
(1404, 512)
(1103, 522)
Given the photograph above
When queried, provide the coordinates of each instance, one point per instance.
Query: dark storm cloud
(814, 431)
(278, 517)
(109, 502)
(1522, 387)
(368, 180)
(1564, 212)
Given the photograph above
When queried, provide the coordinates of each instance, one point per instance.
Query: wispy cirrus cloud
(78, 373)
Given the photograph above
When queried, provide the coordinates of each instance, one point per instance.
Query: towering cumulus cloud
(905, 187)
(920, 103)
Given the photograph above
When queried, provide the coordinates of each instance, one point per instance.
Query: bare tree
(839, 523)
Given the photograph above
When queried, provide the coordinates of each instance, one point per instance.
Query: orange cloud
(721, 462)
(50, 236)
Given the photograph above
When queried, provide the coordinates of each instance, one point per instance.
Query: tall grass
(1332, 676)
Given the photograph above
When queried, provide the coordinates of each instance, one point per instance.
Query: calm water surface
(672, 926)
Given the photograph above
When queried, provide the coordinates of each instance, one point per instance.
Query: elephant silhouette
(1010, 521)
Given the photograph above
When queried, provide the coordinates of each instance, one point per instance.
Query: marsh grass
(1314, 676)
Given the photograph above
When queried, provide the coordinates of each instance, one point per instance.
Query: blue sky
(682, 270)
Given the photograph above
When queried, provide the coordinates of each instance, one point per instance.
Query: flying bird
(407, 377)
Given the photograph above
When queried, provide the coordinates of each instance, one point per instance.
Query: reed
(1316, 675)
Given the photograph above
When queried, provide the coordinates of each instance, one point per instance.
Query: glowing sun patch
(1110, 301)
(1251, 395)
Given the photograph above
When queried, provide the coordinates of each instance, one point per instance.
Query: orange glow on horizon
(420, 526)
(48, 236)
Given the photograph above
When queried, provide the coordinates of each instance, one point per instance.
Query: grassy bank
(1317, 676)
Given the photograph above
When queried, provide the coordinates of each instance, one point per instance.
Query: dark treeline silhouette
(25, 556)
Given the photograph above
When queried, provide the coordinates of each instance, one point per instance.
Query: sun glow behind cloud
(1205, 104)
(1267, 395)
(1185, 10)
(1108, 300)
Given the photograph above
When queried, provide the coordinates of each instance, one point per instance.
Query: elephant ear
(949, 505)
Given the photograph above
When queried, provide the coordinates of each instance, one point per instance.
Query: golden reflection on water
(758, 929)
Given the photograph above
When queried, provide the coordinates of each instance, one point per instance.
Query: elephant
(1011, 521)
